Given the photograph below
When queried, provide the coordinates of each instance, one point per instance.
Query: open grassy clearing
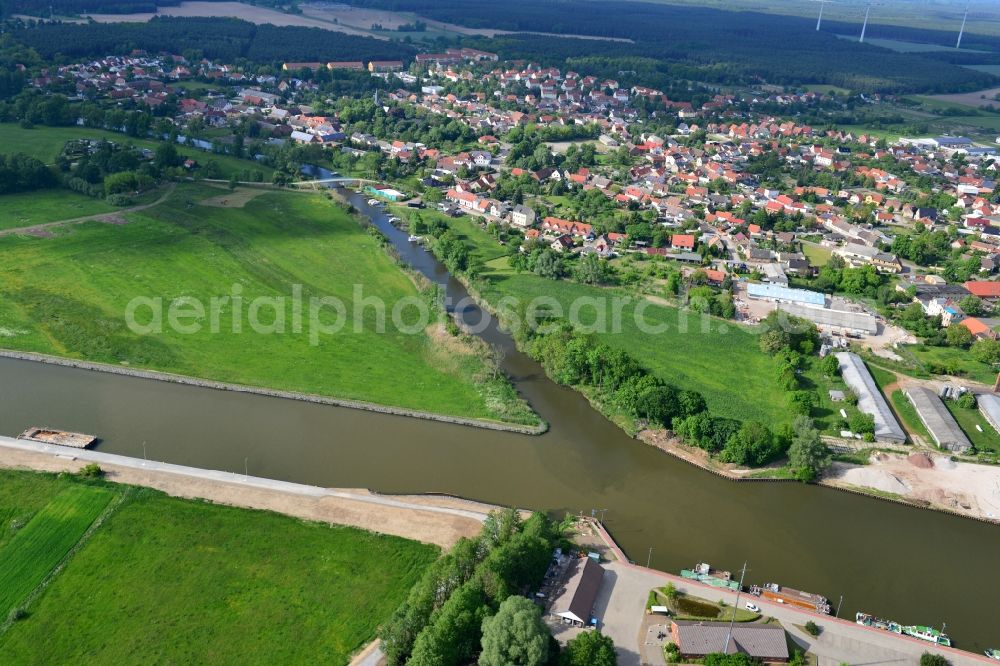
(21, 497)
(35, 550)
(45, 143)
(167, 580)
(907, 413)
(968, 419)
(30, 208)
(958, 362)
(817, 254)
(69, 295)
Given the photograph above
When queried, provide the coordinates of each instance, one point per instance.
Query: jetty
(59, 437)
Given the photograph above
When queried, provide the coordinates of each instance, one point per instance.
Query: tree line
(216, 38)
(471, 605)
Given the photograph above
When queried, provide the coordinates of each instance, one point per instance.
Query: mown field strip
(40, 545)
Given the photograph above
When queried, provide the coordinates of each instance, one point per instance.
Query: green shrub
(91, 471)
(812, 628)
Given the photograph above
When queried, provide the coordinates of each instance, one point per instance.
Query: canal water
(911, 565)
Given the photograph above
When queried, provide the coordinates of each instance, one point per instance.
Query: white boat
(414, 239)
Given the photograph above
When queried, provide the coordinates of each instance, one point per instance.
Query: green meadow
(45, 143)
(69, 294)
(30, 208)
(167, 580)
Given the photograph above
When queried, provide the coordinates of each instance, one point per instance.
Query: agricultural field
(40, 544)
(227, 585)
(30, 208)
(68, 295)
(45, 143)
(968, 419)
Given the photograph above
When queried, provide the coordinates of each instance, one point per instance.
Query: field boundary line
(109, 510)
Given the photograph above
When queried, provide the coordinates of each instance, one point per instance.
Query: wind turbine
(819, 21)
(864, 26)
(961, 32)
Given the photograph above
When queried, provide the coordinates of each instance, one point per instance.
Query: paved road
(228, 477)
(621, 611)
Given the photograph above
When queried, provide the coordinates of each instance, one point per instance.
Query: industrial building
(774, 292)
(870, 398)
(836, 320)
(989, 407)
(938, 420)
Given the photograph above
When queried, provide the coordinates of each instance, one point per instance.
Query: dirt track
(415, 523)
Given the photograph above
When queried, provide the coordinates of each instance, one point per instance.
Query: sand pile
(921, 460)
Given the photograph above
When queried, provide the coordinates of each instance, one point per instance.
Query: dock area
(73, 440)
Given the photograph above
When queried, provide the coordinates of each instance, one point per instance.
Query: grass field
(37, 547)
(958, 361)
(30, 208)
(720, 359)
(69, 295)
(167, 580)
(907, 413)
(817, 254)
(968, 419)
(45, 143)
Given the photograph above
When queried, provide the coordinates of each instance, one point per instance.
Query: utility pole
(838, 604)
(144, 449)
(649, 558)
(732, 620)
(864, 27)
(246, 469)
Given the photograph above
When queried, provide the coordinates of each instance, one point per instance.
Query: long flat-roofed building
(870, 399)
(938, 420)
(855, 322)
(989, 407)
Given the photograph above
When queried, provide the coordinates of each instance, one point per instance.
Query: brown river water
(911, 565)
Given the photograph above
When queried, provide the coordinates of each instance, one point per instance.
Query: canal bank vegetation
(717, 358)
(67, 295)
(683, 606)
(231, 584)
(448, 616)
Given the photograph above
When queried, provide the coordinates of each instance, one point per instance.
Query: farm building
(575, 602)
(773, 292)
(938, 420)
(989, 406)
(697, 639)
(870, 399)
(853, 322)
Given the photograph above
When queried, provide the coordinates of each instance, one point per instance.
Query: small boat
(993, 653)
(792, 597)
(413, 239)
(866, 620)
(927, 634)
(703, 573)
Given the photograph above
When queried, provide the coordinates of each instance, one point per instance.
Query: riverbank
(273, 393)
(437, 520)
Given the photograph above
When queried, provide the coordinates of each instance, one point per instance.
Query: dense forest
(75, 7)
(217, 38)
(712, 45)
